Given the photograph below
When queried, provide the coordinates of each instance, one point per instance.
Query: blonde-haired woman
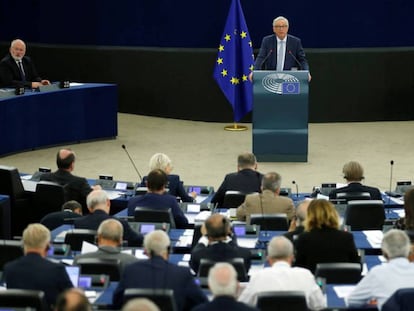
(322, 240)
(175, 185)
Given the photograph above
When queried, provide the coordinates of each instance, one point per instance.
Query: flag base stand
(235, 127)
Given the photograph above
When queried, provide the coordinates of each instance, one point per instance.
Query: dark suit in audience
(224, 303)
(246, 179)
(175, 187)
(157, 272)
(70, 211)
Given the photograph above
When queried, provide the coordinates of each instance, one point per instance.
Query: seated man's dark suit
(93, 220)
(159, 273)
(159, 201)
(324, 246)
(10, 72)
(109, 252)
(293, 235)
(219, 251)
(246, 181)
(76, 188)
(37, 273)
(293, 47)
(175, 187)
(56, 219)
(224, 303)
(357, 187)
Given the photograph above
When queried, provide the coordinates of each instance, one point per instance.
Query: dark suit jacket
(56, 219)
(294, 235)
(159, 201)
(357, 187)
(293, 44)
(323, 246)
(219, 252)
(10, 73)
(158, 273)
(246, 181)
(76, 188)
(92, 222)
(37, 273)
(224, 303)
(175, 187)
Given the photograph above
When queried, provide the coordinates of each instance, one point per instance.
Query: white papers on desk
(76, 84)
(139, 253)
(88, 247)
(186, 257)
(247, 242)
(184, 241)
(200, 198)
(193, 208)
(374, 237)
(26, 177)
(399, 201)
(255, 268)
(399, 211)
(112, 195)
(29, 185)
(343, 291)
(322, 196)
(202, 216)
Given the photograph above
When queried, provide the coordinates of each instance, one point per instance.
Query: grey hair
(279, 247)
(271, 181)
(280, 18)
(95, 198)
(222, 279)
(156, 243)
(396, 243)
(246, 160)
(140, 304)
(159, 161)
(36, 236)
(111, 229)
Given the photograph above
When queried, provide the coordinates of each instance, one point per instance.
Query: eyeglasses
(280, 26)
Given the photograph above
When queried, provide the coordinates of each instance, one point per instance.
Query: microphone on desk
(297, 188)
(132, 161)
(266, 58)
(296, 60)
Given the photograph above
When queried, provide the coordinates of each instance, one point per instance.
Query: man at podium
(281, 51)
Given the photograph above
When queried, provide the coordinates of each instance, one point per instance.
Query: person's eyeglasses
(280, 26)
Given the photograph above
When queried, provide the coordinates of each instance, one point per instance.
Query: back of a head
(72, 205)
(156, 243)
(217, 226)
(140, 304)
(96, 198)
(246, 160)
(321, 214)
(395, 243)
(302, 211)
(111, 229)
(409, 209)
(279, 248)
(222, 280)
(271, 181)
(353, 171)
(159, 161)
(157, 179)
(36, 236)
(73, 299)
(65, 158)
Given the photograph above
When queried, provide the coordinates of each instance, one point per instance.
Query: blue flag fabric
(235, 62)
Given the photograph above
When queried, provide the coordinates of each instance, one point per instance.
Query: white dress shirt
(381, 282)
(282, 277)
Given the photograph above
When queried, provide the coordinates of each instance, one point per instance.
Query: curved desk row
(39, 119)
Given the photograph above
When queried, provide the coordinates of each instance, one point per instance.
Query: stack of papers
(374, 237)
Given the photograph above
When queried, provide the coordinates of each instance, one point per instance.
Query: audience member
(18, 70)
(246, 179)
(33, 271)
(217, 245)
(175, 185)
(99, 205)
(76, 188)
(407, 222)
(157, 272)
(140, 304)
(267, 202)
(383, 280)
(110, 235)
(73, 299)
(70, 210)
(280, 276)
(322, 241)
(223, 283)
(297, 225)
(156, 198)
(354, 174)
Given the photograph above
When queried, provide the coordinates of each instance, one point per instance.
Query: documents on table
(374, 237)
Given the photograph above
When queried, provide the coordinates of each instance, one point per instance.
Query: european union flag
(235, 62)
(290, 88)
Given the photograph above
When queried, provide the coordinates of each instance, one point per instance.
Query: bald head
(73, 299)
(65, 159)
(217, 227)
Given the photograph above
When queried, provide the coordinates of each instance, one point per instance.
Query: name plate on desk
(4, 93)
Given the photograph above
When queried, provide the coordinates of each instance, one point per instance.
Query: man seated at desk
(156, 198)
(18, 70)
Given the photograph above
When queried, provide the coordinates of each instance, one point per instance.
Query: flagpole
(235, 127)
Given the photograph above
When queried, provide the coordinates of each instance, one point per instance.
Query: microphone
(136, 170)
(265, 59)
(391, 169)
(296, 60)
(391, 193)
(297, 188)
